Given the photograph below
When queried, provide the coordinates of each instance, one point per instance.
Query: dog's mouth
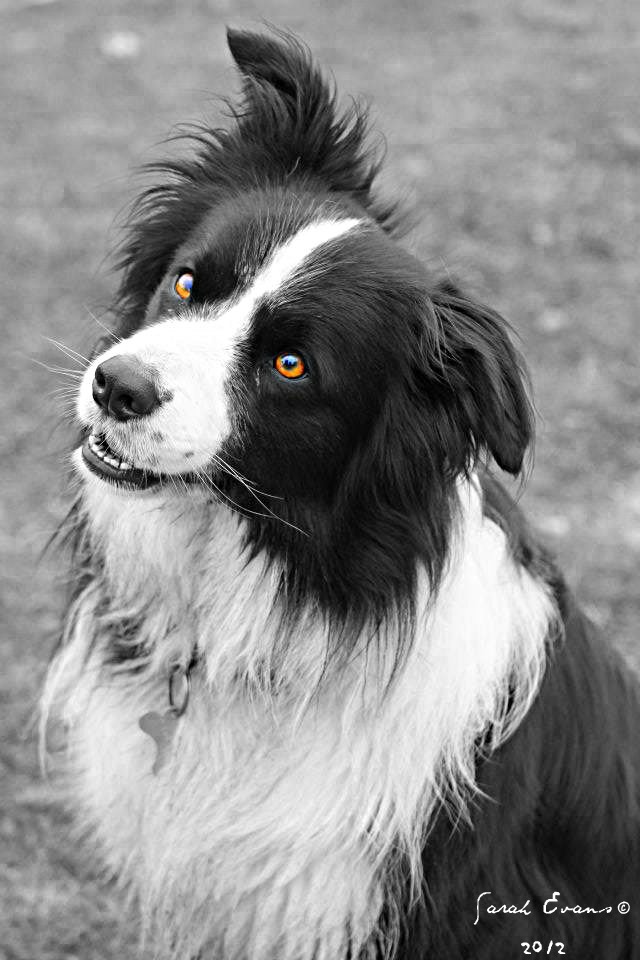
(109, 465)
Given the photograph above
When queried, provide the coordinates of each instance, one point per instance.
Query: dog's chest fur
(270, 830)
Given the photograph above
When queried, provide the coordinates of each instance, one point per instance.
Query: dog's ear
(290, 113)
(278, 60)
(478, 379)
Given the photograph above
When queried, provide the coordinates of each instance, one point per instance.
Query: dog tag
(161, 728)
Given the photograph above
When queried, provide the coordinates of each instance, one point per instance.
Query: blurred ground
(513, 128)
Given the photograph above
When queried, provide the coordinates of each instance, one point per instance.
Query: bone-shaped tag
(161, 728)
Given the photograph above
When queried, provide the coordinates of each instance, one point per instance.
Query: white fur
(266, 834)
(191, 357)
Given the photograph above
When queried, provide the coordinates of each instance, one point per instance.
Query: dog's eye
(290, 365)
(184, 285)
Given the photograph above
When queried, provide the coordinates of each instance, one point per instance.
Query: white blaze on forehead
(193, 356)
(289, 257)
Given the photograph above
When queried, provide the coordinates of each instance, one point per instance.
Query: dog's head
(280, 351)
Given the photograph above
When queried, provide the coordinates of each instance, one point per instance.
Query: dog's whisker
(114, 336)
(68, 372)
(224, 497)
(236, 476)
(65, 400)
(268, 512)
(241, 479)
(233, 470)
(65, 390)
(69, 351)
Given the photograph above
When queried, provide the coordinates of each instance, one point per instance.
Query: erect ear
(290, 111)
(479, 378)
(279, 60)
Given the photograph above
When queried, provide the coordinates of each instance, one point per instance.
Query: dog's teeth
(103, 451)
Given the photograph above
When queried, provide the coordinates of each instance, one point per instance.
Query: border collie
(326, 695)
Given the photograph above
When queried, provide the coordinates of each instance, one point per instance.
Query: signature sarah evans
(551, 905)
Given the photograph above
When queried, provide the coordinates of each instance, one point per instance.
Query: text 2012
(555, 949)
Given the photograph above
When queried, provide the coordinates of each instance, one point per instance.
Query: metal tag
(161, 727)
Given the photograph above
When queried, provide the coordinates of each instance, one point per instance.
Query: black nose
(123, 386)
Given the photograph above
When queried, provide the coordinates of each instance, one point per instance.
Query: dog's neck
(179, 568)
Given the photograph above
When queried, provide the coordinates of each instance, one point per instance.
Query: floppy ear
(291, 112)
(479, 379)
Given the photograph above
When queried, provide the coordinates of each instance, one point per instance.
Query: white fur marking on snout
(193, 356)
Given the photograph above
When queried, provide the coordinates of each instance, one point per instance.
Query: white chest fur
(266, 833)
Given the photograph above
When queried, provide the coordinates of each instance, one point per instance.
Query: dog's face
(274, 340)
(279, 351)
(268, 347)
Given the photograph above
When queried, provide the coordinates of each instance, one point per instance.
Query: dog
(326, 694)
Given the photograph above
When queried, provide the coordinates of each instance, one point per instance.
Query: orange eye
(184, 285)
(290, 365)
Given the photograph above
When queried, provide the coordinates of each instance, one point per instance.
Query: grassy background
(514, 130)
